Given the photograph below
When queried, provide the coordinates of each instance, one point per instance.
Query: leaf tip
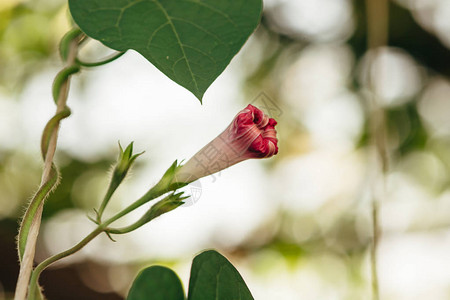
(199, 97)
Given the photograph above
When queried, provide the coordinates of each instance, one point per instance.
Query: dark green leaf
(156, 283)
(214, 277)
(191, 41)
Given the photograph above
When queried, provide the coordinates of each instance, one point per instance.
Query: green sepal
(124, 163)
(126, 159)
(168, 182)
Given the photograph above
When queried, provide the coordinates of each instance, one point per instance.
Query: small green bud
(126, 159)
(165, 205)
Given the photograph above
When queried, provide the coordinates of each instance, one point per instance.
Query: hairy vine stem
(48, 175)
(29, 228)
(103, 227)
(377, 36)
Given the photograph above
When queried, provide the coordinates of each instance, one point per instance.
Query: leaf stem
(54, 258)
(158, 190)
(99, 63)
(111, 189)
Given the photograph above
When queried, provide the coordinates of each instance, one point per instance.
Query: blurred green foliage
(29, 34)
(30, 31)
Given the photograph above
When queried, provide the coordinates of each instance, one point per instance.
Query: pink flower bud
(251, 134)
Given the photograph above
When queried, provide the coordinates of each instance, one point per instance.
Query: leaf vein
(155, 32)
(199, 27)
(201, 52)
(179, 41)
(122, 11)
(214, 10)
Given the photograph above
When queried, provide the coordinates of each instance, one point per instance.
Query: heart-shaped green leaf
(214, 277)
(191, 41)
(156, 283)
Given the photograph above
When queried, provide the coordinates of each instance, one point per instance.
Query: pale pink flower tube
(251, 134)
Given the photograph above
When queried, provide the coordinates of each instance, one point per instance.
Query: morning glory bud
(251, 134)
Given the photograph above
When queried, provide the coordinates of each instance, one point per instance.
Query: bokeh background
(297, 226)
